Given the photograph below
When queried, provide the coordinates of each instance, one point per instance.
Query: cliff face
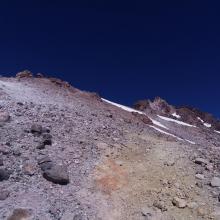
(68, 154)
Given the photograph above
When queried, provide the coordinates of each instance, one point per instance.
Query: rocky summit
(67, 154)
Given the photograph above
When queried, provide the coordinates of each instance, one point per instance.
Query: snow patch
(191, 142)
(200, 119)
(176, 121)
(172, 135)
(217, 131)
(204, 123)
(207, 125)
(128, 109)
(158, 123)
(176, 115)
(164, 132)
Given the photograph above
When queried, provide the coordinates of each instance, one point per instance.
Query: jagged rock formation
(67, 154)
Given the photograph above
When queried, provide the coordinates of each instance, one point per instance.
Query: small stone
(209, 167)
(4, 174)
(215, 182)
(20, 103)
(20, 214)
(200, 176)
(4, 150)
(160, 205)
(201, 161)
(201, 211)
(4, 194)
(57, 174)
(39, 75)
(36, 129)
(16, 152)
(47, 139)
(4, 116)
(29, 169)
(45, 130)
(41, 146)
(45, 163)
(146, 211)
(180, 203)
(192, 205)
(169, 163)
(44, 159)
(46, 166)
(216, 213)
(199, 185)
(1, 161)
(67, 215)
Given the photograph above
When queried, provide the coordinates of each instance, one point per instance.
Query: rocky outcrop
(24, 74)
(72, 155)
(157, 106)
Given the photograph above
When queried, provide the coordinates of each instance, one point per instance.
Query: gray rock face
(215, 182)
(57, 174)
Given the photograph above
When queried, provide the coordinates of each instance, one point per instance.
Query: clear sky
(124, 50)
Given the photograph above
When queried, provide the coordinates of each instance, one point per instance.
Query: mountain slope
(68, 154)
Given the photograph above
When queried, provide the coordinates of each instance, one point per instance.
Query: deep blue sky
(125, 50)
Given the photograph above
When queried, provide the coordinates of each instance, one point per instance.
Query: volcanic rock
(57, 174)
(4, 174)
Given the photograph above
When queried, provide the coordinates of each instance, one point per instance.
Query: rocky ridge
(67, 154)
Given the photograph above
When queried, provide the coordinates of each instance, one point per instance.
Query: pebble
(4, 116)
(160, 205)
(201, 161)
(215, 182)
(4, 194)
(192, 205)
(1, 161)
(20, 214)
(200, 176)
(36, 129)
(4, 174)
(180, 203)
(29, 169)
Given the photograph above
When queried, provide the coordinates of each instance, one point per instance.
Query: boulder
(57, 174)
